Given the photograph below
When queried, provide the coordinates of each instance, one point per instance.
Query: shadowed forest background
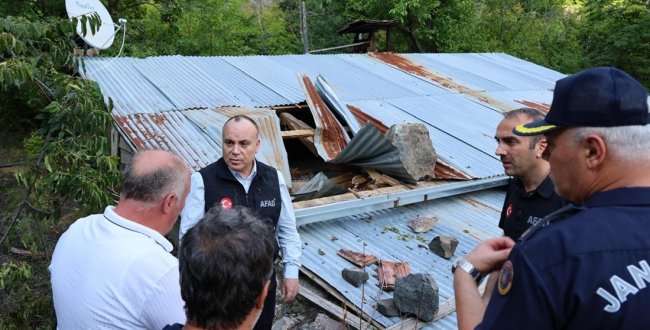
(55, 162)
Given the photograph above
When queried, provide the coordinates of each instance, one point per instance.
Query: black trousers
(265, 321)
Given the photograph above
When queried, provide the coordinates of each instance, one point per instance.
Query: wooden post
(303, 25)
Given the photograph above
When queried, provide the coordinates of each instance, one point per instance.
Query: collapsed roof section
(458, 97)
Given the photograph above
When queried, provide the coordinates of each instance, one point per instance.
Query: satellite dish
(103, 37)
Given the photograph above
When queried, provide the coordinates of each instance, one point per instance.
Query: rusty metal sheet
(333, 101)
(330, 137)
(168, 131)
(408, 65)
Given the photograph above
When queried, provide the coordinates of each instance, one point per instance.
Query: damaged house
(390, 157)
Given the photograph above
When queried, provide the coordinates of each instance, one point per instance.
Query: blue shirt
(588, 271)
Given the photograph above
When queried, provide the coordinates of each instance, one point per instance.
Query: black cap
(596, 97)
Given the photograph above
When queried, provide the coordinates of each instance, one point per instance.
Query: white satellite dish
(103, 37)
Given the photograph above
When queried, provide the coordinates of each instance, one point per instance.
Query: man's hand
(490, 254)
(289, 287)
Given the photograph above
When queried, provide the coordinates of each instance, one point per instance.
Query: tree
(67, 152)
(617, 33)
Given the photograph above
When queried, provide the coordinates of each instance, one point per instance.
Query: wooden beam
(445, 308)
(297, 124)
(299, 133)
(331, 290)
(290, 107)
(335, 310)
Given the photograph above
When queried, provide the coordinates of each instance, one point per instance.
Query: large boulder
(417, 294)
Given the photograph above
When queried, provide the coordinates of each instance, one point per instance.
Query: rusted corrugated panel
(410, 66)
(364, 118)
(328, 95)
(330, 137)
(271, 152)
(168, 131)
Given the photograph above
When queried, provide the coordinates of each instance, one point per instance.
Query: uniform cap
(596, 97)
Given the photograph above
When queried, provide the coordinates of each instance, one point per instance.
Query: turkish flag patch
(226, 203)
(509, 211)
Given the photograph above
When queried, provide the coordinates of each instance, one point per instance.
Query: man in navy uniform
(530, 194)
(238, 179)
(586, 266)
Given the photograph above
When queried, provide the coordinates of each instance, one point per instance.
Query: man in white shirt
(238, 179)
(115, 270)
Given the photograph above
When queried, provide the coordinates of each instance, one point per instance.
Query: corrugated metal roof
(126, 86)
(169, 131)
(470, 218)
(456, 85)
(490, 71)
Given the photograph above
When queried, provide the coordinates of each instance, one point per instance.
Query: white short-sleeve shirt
(110, 272)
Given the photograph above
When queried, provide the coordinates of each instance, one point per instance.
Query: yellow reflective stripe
(525, 130)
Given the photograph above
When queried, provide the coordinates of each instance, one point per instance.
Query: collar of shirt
(246, 182)
(127, 224)
(545, 189)
(630, 196)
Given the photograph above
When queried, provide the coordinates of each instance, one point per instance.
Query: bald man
(238, 179)
(114, 270)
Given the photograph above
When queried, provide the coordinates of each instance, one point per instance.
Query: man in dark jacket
(238, 179)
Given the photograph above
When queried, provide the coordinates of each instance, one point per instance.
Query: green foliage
(617, 33)
(26, 285)
(68, 154)
(12, 273)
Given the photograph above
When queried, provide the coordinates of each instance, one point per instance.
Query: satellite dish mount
(103, 36)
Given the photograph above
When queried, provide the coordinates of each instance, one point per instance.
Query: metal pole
(303, 25)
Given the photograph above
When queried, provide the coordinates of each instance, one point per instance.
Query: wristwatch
(467, 267)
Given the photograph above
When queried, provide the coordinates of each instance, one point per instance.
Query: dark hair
(533, 115)
(149, 183)
(224, 262)
(238, 118)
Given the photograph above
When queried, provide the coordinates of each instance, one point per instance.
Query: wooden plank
(297, 124)
(331, 290)
(299, 133)
(335, 310)
(445, 308)
(290, 107)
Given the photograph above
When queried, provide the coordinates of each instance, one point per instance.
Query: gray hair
(629, 143)
(150, 183)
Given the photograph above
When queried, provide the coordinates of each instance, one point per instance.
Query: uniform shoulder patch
(506, 277)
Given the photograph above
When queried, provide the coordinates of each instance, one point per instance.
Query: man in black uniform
(583, 267)
(238, 179)
(530, 194)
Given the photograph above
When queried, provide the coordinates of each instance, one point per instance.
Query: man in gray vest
(238, 179)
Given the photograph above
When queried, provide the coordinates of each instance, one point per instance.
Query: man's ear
(540, 147)
(595, 151)
(169, 202)
(259, 302)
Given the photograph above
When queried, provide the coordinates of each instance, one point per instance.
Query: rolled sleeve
(194, 205)
(288, 237)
